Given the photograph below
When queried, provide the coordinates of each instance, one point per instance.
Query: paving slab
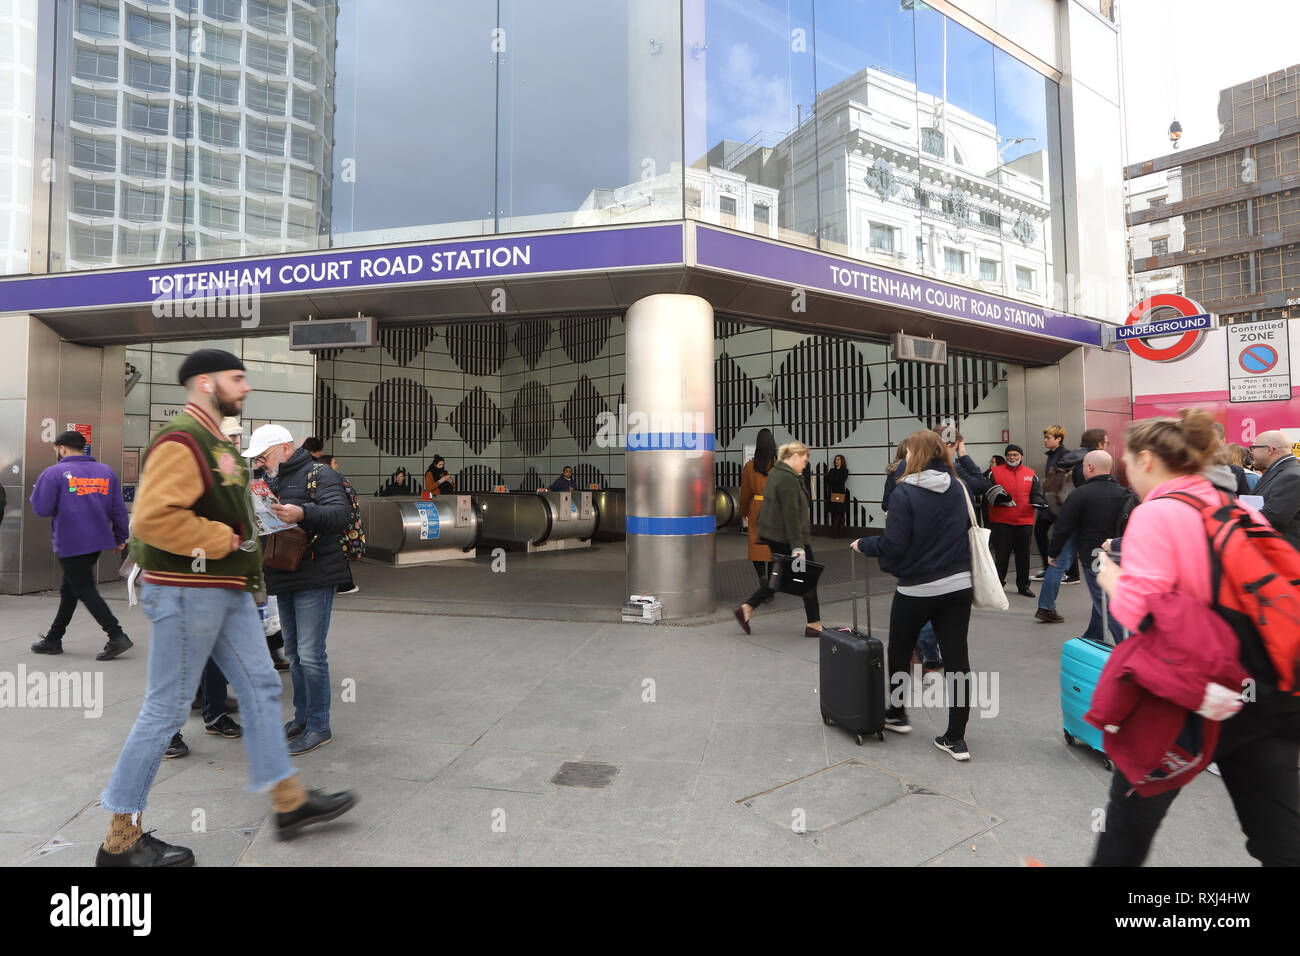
(451, 715)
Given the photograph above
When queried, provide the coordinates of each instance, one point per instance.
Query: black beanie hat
(206, 361)
(71, 439)
(1016, 448)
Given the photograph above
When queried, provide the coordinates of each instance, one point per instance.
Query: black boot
(117, 644)
(147, 851)
(320, 806)
(47, 646)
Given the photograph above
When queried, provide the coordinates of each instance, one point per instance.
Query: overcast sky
(1178, 54)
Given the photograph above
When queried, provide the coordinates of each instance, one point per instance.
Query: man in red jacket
(1014, 501)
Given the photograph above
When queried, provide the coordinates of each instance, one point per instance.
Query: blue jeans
(304, 621)
(928, 644)
(189, 625)
(1094, 633)
(1056, 573)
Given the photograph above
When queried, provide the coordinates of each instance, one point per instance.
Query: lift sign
(428, 520)
(1259, 362)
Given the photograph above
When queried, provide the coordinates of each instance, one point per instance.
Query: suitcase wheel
(1106, 764)
(880, 735)
(826, 720)
(858, 738)
(1069, 741)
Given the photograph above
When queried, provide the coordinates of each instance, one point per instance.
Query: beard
(227, 406)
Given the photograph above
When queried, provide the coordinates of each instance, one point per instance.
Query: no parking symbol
(1259, 362)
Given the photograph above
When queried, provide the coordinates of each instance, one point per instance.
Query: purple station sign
(352, 268)
(803, 268)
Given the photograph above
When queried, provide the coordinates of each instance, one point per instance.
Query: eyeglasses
(259, 459)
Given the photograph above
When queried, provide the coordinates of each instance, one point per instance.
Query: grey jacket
(1280, 489)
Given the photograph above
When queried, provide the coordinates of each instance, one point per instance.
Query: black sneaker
(115, 646)
(1070, 580)
(955, 748)
(177, 748)
(320, 806)
(47, 646)
(898, 725)
(147, 851)
(223, 726)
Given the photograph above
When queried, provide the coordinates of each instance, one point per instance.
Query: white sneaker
(898, 725)
(1038, 576)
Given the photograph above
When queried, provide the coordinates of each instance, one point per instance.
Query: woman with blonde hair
(784, 524)
(925, 541)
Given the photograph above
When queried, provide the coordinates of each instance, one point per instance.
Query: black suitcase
(853, 673)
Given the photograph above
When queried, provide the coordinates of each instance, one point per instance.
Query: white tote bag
(983, 571)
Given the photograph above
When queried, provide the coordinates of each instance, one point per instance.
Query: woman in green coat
(783, 523)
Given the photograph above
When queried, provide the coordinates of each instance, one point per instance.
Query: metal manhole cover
(579, 773)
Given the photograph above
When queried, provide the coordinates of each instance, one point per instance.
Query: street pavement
(452, 730)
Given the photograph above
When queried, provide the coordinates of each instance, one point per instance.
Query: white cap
(266, 437)
(231, 426)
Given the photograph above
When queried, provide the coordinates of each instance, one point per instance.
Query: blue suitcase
(1081, 665)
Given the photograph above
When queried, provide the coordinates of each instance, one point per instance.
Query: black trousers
(1007, 538)
(1257, 757)
(79, 585)
(1042, 538)
(213, 688)
(950, 615)
(810, 606)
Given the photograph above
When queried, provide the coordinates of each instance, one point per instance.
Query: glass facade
(880, 130)
(888, 133)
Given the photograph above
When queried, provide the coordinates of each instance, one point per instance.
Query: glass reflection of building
(197, 129)
(884, 130)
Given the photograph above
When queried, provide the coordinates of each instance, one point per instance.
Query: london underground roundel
(1165, 301)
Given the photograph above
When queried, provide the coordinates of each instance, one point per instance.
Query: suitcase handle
(853, 588)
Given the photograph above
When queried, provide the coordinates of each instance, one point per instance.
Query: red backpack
(1255, 581)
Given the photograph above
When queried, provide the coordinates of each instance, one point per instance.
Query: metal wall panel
(38, 567)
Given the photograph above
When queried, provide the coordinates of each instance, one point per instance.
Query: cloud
(750, 100)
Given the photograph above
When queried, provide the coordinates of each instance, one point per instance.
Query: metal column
(671, 517)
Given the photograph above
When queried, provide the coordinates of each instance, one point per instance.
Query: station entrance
(509, 405)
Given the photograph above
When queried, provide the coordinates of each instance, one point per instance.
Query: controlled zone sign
(1190, 323)
(1259, 362)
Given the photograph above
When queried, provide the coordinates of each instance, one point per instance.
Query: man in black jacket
(312, 497)
(1280, 484)
(1091, 514)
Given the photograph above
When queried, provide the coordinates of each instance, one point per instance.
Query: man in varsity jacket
(195, 540)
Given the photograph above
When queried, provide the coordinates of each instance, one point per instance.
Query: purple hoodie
(85, 500)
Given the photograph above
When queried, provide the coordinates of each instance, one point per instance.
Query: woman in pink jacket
(1165, 549)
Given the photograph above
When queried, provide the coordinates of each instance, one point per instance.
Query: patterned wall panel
(821, 390)
(404, 344)
(531, 481)
(586, 474)
(722, 328)
(532, 418)
(479, 348)
(735, 396)
(400, 416)
(584, 337)
(330, 409)
(474, 478)
(530, 340)
(477, 420)
(580, 411)
(936, 394)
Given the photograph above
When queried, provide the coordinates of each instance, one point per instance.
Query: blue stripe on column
(681, 441)
(701, 524)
